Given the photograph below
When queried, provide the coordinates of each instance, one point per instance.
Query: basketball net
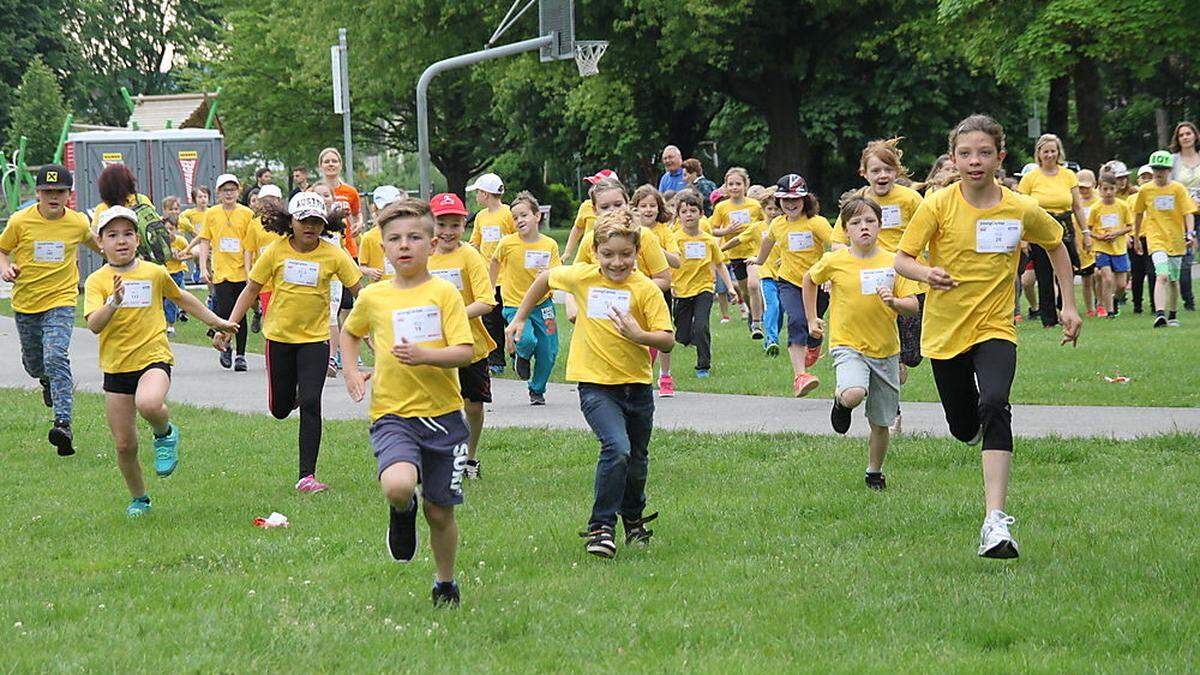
(587, 56)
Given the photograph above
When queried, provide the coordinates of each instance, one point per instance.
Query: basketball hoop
(587, 56)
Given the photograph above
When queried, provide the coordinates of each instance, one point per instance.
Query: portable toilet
(87, 153)
(181, 159)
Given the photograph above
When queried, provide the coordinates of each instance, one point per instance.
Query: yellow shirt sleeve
(819, 272)
(920, 230)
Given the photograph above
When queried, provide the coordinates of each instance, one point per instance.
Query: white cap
(227, 178)
(385, 194)
(270, 190)
(488, 182)
(1028, 169)
(1146, 168)
(113, 213)
(308, 205)
(1118, 169)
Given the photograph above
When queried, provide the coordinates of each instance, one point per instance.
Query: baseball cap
(791, 186)
(1086, 178)
(1161, 159)
(1028, 169)
(447, 203)
(270, 190)
(227, 178)
(601, 175)
(384, 195)
(1118, 169)
(54, 177)
(115, 213)
(1146, 168)
(1074, 166)
(715, 196)
(306, 205)
(488, 182)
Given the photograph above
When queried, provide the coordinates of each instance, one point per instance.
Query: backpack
(155, 240)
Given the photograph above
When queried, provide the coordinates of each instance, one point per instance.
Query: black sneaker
(473, 468)
(1137, 309)
(839, 417)
(600, 541)
(226, 359)
(182, 317)
(536, 398)
(256, 321)
(876, 481)
(239, 365)
(1160, 321)
(635, 529)
(523, 368)
(60, 437)
(402, 532)
(445, 594)
(46, 397)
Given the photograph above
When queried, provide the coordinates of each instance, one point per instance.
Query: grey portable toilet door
(184, 164)
(100, 154)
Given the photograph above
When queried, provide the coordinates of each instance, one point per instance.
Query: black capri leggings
(225, 295)
(296, 375)
(974, 388)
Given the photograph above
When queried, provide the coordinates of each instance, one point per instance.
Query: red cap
(601, 175)
(715, 196)
(447, 203)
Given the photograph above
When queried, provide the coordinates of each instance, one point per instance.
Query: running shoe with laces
(61, 438)
(839, 417)
(445, 594)
(523, 367)
(1101, 312)
(239, 364)
(876, 481)
(402, 532)
(772, 349)
(138, 506)
(473, 469)
(804, 384)
(636, 532)
(1173, 323)
(536, 398)
(666, 386)
(600, 541)
(811, 356)
(756, 331)
(1160, 321)
(166, 452)
(310, 484)
(226, 359)
(702, 373)
(995, 541)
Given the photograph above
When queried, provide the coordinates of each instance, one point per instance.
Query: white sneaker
(170, 331)
(995, 541)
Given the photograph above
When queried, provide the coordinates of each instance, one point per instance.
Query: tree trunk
(787, 144)
(1091, 149)
(457, 174)
(1057, 110)
(1162, 123)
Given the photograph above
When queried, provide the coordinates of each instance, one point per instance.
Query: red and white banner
(188, 159)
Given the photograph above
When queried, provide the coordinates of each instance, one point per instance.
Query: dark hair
(692, 165)
(406, 207)
(690, 197)
(855, 205)
(275, 217)
(986, 125)
(1108, 178)
(201, 188)
(116, 185)
(1175, 147)
(299, 168)
(259, 174)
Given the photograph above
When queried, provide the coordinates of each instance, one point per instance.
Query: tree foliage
(38, 114)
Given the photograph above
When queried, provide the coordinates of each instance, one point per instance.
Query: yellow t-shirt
(801, 243)
(1052, 193)
(45, 251)
(370, 254)
(520, 263)
(704, 226)
(980, 249)
(489, 227)
(432, 315)
(258, 239)
(468, 271)
(585, 217)
(299, 311)
(858, 319)
(696, 257)
(191, 221)
(1164, 208)
(599, 353)
(134, 199)
(666, 237)
(898, 207)
(1110, 218)
(174, 265)
(726, 213)
(1087, 258)
(225, 230)
(650, 257)
(136, 336)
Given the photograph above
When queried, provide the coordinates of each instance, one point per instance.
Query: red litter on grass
(276, 519)
(1119, 379)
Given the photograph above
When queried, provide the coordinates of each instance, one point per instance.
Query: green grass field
(770, 556)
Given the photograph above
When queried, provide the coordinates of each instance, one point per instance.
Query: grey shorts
(880, 377)
(437, 446)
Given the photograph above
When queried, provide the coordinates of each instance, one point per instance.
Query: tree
(37, 114)
(40, 34)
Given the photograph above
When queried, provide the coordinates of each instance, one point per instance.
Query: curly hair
(116, 185)
(617, 223)
(273, 214)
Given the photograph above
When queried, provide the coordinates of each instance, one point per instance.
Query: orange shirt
(344, 194)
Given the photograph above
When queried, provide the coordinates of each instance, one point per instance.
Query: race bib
(388, 267)
(739, 217)
(695, 250)
(453, 275)
(230, 245)
(537, 260)
(1164, 203)
(137, 294)
(891, 216)
(490, 233)
(602, 300)
(1110, 221)
(997, 236)
(800, 241)
(417, 324)
(49, 251)
(873, 280)
(301, 272)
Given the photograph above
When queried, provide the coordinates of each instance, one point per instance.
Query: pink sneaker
(310, 484)
(804, 384)
(811, 356)
(666, 386)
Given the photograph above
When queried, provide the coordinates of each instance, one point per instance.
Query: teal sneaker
(166, 452)
(139, 506)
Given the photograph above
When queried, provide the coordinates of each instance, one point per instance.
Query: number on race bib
(601, 301)
(137, 294)
(739, 217)
(490, 233)
(695, 250)
(49, 251)
(417, 324)
(1110, 221)
(301, 272)
(997, 236)
(873, 280)
(453, 275)
(1164, 203)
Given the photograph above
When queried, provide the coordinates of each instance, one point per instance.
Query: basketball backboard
(557, 18)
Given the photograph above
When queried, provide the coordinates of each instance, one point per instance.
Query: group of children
(903, 277)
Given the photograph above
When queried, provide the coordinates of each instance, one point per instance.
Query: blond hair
(888, 151)
(737, 170)
(1046, 139)
(617, 223)
(404, 209)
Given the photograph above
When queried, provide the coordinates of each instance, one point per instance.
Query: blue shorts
(437, 446)
(1118, 263)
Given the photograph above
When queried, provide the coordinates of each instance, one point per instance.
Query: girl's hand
(408, 353)
(220, 341)
(939, 279)
(224, 326)
(733, 297)
(816, 327)
(625, 324)
(510, 336)
(885, 294)
(11, 273)
(1071, 324)
(356, 383)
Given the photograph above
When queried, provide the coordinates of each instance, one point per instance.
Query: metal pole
(450, 64)
(346, 110)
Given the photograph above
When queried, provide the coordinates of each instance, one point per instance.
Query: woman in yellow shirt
(973, 230)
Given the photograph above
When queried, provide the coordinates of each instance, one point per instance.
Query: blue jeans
(772, 312)
(538, 343)
(792, 300)
(170, 308)
(45, 353)
(622, 417)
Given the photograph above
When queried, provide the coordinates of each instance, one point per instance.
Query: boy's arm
(356, 381)
(450, 356)
(97, 320)
(192, 305)
(628, 327)
(8, 271)
(202, 260)
(907, 306)
(478, 308)
(816, 325)
(936, 277)
(662, 279)
(494, 271)
(572, 243)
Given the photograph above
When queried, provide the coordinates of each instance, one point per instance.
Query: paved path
(200, 381)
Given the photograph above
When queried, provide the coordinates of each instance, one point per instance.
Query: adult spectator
(1187, 171)
(693, 173)
(261, 177)
(673, 178)
(299, 180)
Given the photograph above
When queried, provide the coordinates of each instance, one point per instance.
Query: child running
(973, 230)
(730, 217)
(1110, 220)
(299, 268)
(417, 428)
(465, 267)
(516, 262)
(493, 222)
(174, 265)
(224, 229)
(693, 284)
(803, 235)
(652, 214)
(864, 340)
(1164, 212)
(123, 305)
(621, 314)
